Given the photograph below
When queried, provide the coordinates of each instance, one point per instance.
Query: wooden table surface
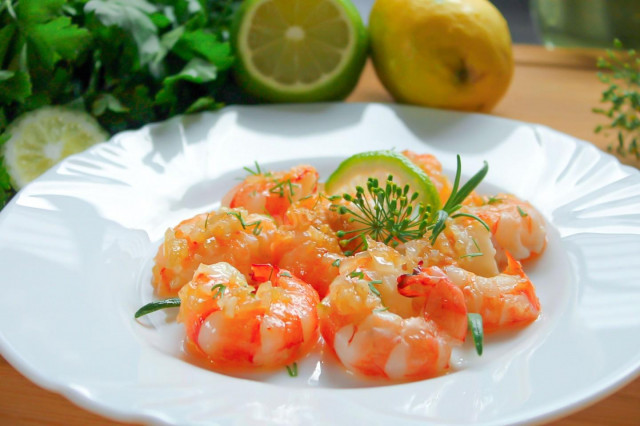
(555, 88)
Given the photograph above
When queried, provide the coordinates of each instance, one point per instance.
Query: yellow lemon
(452, 54)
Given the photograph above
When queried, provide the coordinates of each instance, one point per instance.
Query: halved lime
(355, 170)
(41, 138)
(299, 50)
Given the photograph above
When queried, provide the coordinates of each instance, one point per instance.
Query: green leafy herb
(255, 172)
(256, 230)
(386, 214)
(522, 212)
(218, 290)
(392, 216)
(292, 369)
(285, 274)
(157, 305)
(357, 274)
(336, 263)
(372, 287)
(623, 98)
(127, 62)
(474, 322)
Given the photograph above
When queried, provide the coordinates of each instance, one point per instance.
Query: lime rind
(41, 138)
(355, 170)
(333, 86)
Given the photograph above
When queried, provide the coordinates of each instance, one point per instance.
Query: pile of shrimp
(261, 279)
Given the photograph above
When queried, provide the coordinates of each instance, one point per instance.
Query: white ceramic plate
(77, 246)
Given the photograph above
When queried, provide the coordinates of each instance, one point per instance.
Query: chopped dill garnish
(218, 290)
(255, 172)
(256, 230)
(391, 215)
(336, 263)
(292, 369)
(357, 274)
(522, 212)
(374, 290)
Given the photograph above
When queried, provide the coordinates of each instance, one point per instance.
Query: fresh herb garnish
(391, 216)
(474, 322)
(387, 214)
(256, 230)
(357, 274)
(285, 274)
(255, 172)
(336, 263)
(218, 290)
(623, 97)
(372, 287)
(157, 305)
(292, 369)
(521, 212)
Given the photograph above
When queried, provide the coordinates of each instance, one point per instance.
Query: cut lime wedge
(41, 138)
(299, 50)
(355, 170)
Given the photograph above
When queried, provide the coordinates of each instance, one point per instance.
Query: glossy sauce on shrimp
(261, 279)
(234, 325)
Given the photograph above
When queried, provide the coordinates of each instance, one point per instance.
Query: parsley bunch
(623, 97)
(126, 62)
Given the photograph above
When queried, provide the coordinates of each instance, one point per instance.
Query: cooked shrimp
(464, 242)
(506, 300)
(383, 322)
(517, 227)
(433, 168)
(230, 235)
(307, 246)
(234, 325)
(272, 193)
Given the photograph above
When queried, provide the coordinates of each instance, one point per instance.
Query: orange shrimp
(273, 192)
(464, 242)
(234, 325)
(230, 235)
(382, 322)
(517, 227)
(504, 301)
(433, 168)
(306, 245)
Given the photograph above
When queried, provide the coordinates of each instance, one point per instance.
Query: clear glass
(587, 23)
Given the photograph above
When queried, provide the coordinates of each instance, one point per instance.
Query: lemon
(298, 50)
(355, 170)
(452, 54)
(41, 138)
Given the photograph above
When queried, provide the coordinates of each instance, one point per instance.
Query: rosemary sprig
(623, 97)
(157, 305)
(391, 215)
(292, 369)
(474, 323)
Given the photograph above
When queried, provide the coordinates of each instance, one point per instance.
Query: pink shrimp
(234, 325)
(272, 193)
(230, 235)
(382, 322)
(517, 227)
(504, 301)
(306, 245)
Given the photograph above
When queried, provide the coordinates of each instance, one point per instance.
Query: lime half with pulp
(357, 169)
(299, 50)
(41, 138)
